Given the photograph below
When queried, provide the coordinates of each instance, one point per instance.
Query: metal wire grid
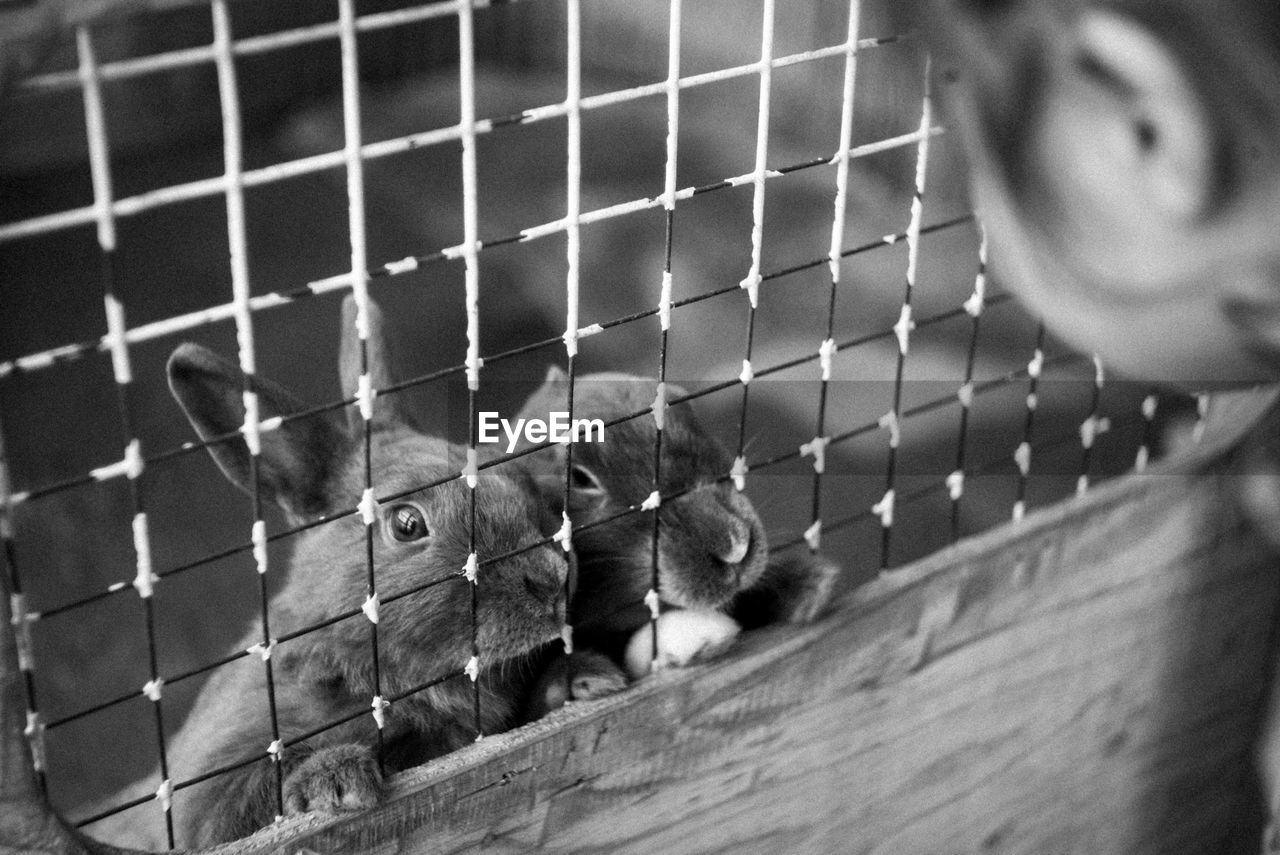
(106, 209)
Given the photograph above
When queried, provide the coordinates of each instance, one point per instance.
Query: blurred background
(165, 129)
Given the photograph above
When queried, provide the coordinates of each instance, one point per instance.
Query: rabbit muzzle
(711, 546)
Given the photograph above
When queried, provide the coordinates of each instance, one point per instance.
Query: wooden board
(1088, 681)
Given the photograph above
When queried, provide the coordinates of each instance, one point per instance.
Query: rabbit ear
(555, 376)
(390, 407)
(297, 459)
(552, 395)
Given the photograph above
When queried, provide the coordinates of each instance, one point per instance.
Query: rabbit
(313, 466)
(713, 552)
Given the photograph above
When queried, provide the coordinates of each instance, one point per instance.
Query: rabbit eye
(583, 479)
(408, 523)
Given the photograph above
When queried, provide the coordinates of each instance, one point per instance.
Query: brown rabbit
(713, 554)
(313, 466)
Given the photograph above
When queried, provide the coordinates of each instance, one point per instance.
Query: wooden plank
(1086, 682)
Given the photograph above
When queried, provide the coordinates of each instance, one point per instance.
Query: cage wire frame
(106, 209)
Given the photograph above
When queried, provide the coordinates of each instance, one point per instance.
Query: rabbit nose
(738, 547)
(736, 551)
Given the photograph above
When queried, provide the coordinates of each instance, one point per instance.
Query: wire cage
(760, 207)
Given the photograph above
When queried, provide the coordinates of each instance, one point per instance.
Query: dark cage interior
(527, 179)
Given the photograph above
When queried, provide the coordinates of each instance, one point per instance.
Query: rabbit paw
(593, 675)
(336, 778)
(795, 588)
(685, 636)
(583, 675)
